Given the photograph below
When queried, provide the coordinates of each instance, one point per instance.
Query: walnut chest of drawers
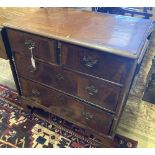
(77, 65)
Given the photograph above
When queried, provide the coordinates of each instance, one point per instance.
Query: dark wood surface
(51, 75)
(90, 89)
(43, 48)
(119, 35)
(67, 107)
(103, 65)
(107, 66)
(87, 86)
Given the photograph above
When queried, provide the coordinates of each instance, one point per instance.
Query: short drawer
(67, 107)
(43, 48)
(100, 64)
(96, 91)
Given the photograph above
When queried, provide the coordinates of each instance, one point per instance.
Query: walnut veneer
(78, 65)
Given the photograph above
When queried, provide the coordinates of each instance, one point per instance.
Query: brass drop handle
(92, 90)
(30, 43)
(60, 77)
(89, 61)
(87, 115)
(35, 93)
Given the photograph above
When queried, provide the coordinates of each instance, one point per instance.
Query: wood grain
(44, 48)
(11, 13)
(102, 73)
(67, 107)
(96, 91)
(115, 34)
(103, 65)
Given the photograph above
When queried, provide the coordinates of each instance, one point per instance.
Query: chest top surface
(120, 35)
(11, 13)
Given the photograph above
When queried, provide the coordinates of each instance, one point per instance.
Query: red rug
(19, 129)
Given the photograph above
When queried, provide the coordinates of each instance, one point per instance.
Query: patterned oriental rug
(20, 129)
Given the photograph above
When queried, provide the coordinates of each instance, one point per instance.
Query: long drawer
(67, 107)
(111, 67)
(43, 48)
(94, 90)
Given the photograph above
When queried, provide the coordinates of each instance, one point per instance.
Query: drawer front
(95, 63)
(98, 92)
(67, 107)
(90, 89)
(51, 75)
(42, 48)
